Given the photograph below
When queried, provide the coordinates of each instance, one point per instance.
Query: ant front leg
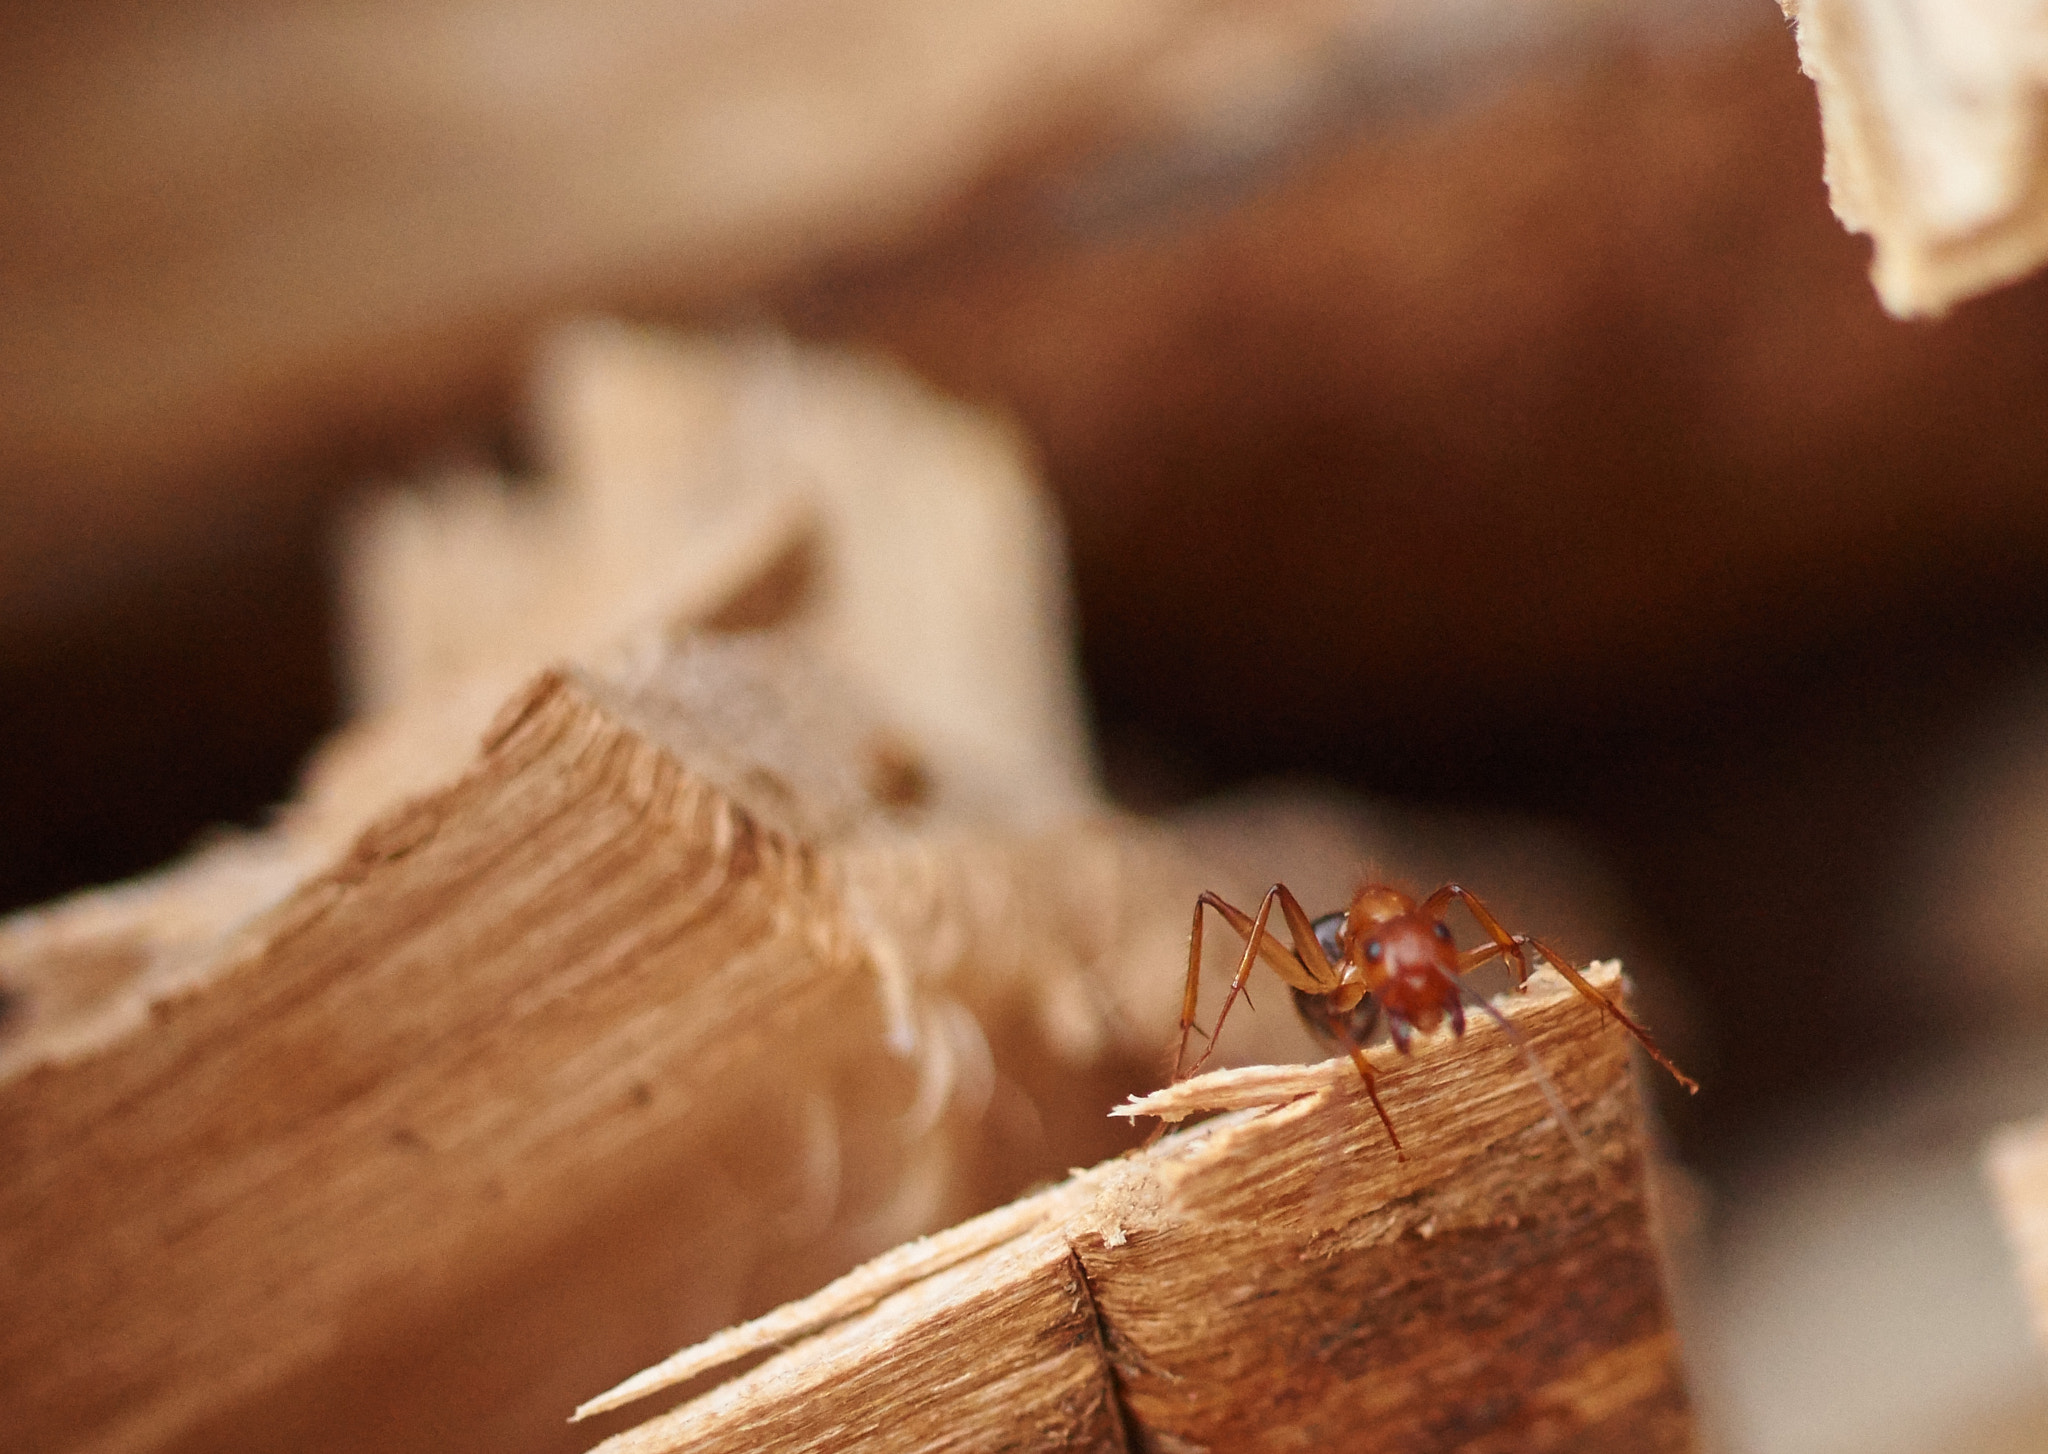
(1306, 968)
(1512, 947)
(1349, 1030)
(1518, 946)
(1372, 1089)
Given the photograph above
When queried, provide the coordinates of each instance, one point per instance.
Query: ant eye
(1373, 950)
(1443, 931)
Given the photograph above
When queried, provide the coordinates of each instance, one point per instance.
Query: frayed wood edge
(1269, 1085)
(1249, 1087)
(837, 1301)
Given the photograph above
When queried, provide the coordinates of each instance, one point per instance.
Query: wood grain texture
(583, 976)
(1273, 1279)
(1011, 1339)
(576, 1011)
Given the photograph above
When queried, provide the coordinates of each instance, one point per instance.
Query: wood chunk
(538, 1027)
(1933, 118)
(684, 476)
(859, 1290)
(1272, 1279)
(735, 485)
(85, 971)
(2017, 1161)
(1012, 1340)
(776, 922)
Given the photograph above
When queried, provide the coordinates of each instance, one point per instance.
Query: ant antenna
(1536, 1071)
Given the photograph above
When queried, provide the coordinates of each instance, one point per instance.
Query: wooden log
(742, 948)
(613, 1001)
(690, 484)
(1273, 1279)
(2017, 1161)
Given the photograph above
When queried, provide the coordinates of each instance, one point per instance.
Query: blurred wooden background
(1477, 406)
(1475, 418)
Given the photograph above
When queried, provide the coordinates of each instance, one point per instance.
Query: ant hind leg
(1518, 947)
(1305, 967)
(1627, 1022)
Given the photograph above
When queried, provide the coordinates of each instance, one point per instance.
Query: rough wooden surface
(2018, 1165)
(1933, 118)
(690, 484)
(1273, 1279)
(570, 996)
(576, 1011)
(741, 923)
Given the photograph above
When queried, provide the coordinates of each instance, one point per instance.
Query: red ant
(1385, 953)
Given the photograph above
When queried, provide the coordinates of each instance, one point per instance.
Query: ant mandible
(1388, 954)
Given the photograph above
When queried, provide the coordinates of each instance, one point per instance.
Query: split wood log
(2018, 1164)
(1274, 1279)
(657, 987)
(777, 922)
(1936, 143)
(692, 484)
(322, 1138)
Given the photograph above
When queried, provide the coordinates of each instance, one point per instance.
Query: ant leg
(1307, 947)
(1307, 956)
(1372, 1089)
(1340, 1028)
(1578, 982)
(1254, 936)
(1312, 975)
(1505, 945)
(1191, 991)
(1471, 959)
(1518, 946)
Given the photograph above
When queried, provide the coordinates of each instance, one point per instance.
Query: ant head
(1410, 961)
